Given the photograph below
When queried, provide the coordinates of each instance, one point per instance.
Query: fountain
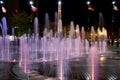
(4, 40)
(55, 52)
(101, 20)
(36, 26)
(4, 23)
(47, 24)
(56, 22)
(3, 26)
(93, 60)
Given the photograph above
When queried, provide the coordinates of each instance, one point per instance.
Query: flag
(33, 8)
(115, 8)
(3, 9)
(90, 8)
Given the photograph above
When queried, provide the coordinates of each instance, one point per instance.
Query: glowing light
(88, 2)
(113, 2)
(102, 58)
(1, 2)
(11, 38)
(14, 60)
(90, 8)
(46, 79)
(101, 33)
(59, 2)
(59, 9)
(76, 30)
(31, 2)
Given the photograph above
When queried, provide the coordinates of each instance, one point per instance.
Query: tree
(22, 22)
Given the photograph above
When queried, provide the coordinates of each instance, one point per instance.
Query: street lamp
(114, 10)
(88, 4)
(31, 2)
(0, 12)
(2, 7)
(1, 2)
(59, 2)
(113, 2)
(59, 9)
(33, 8)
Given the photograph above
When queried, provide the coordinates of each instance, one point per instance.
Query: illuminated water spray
(93, 60)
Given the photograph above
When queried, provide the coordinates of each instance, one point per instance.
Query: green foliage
(21, 22)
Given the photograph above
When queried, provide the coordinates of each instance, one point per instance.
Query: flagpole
(59, 10)
(113, 4)
(88, 4)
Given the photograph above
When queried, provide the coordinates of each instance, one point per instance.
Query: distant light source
(102, 58)
(88, 2)
(113, 2)
(59, 2)
(1, 2)
(90, 8)
(31, 2)
(14, 60)
(11, 38)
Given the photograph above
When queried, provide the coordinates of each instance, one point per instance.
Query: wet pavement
(5, 71)
(108, 68)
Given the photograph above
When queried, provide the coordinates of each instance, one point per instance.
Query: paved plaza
(108, 69)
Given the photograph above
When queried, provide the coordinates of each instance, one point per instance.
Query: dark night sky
(76, 10)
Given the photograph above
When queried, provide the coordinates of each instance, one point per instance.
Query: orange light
(60, 12)
(90, 8)
(46, 79)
